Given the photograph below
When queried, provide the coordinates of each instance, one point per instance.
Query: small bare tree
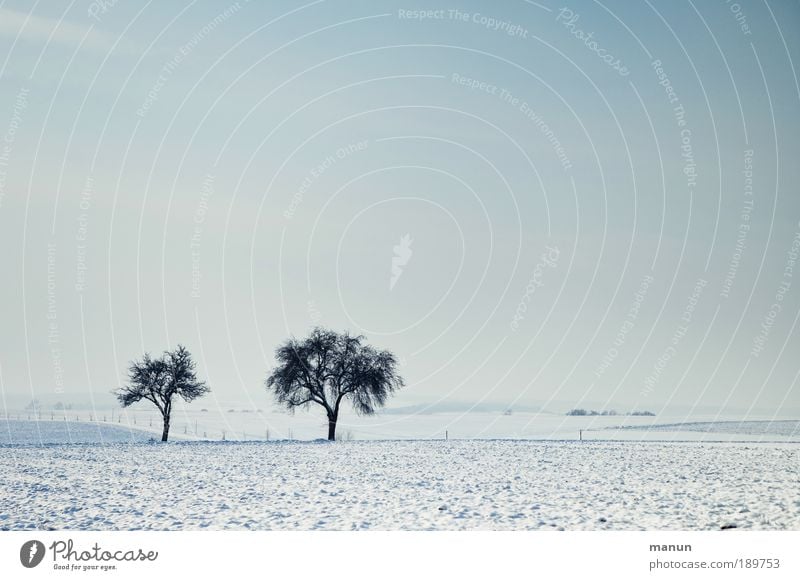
(158, 380)
(328, 367)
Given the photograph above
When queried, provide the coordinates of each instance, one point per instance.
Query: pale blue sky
(308, 139)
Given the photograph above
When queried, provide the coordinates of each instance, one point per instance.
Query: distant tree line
(607, 413)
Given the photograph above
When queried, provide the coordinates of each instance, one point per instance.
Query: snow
(190, 423)
(21, 432)
(756, 428)
(401, 485)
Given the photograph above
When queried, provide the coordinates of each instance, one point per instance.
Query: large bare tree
(159, 380)
(328, 367)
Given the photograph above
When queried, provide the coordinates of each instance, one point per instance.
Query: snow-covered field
(240, 424)
(787, 429)
(14, 432)
(411, 485)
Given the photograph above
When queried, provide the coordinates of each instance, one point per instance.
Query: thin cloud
(40, 29)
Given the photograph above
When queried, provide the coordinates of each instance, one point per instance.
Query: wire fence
(257, 428)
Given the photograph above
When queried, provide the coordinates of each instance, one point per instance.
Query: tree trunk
(165, 433)
(332, 428)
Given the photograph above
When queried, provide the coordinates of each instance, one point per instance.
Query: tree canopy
(158, 380)
(328, 367)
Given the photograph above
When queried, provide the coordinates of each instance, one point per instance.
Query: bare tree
(328, 367)
(158, 380)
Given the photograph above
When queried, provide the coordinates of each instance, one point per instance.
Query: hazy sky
(550, 204)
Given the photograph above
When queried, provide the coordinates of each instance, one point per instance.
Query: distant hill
(460, 407)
